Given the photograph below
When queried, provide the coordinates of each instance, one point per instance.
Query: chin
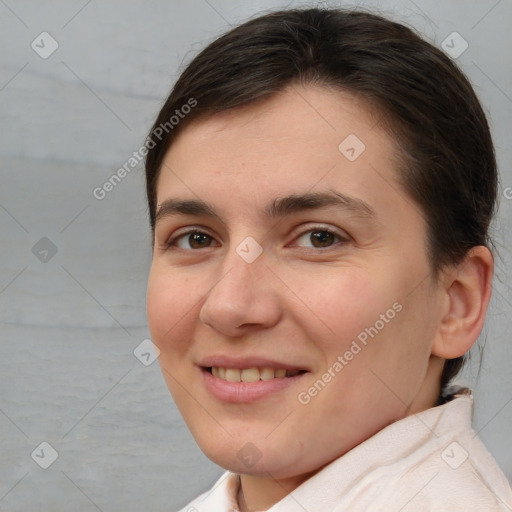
(255, 458)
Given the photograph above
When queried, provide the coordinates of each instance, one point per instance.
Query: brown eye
(199, 240)
(322, 238)
(318, 239)
(191, 240)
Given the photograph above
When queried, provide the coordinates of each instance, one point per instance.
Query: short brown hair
(447, 161)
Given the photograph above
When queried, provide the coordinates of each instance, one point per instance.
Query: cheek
(170, 309)
(364, 319)
(169, 305)
(341, 304)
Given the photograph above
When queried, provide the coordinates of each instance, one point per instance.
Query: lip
(246, 392)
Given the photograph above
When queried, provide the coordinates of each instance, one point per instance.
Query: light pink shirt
(430, 461)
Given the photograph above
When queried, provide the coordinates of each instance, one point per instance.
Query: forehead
(303, 139)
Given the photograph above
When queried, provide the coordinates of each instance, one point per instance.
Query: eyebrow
(171, 207)
(280, 207)
(310, 201)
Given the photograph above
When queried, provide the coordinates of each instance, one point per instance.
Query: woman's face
(283, 246)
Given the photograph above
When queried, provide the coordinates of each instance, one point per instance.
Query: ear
(467, 290)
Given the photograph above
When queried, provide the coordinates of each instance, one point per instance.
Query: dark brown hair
(446, 157)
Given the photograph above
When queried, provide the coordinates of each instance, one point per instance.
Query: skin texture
(298, 302)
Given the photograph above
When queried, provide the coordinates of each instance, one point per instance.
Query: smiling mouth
(251, 374)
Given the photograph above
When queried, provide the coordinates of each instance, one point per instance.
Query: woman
(320, 187)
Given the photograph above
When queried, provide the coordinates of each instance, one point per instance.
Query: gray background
(68, 375)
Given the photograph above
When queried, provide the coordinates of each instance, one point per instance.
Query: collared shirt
(429, 461)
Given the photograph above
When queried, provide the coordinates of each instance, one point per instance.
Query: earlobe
(467, 289)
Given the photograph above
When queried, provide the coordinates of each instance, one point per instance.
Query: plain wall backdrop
(74, 267)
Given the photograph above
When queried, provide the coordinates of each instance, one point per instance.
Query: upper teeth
(251, 374)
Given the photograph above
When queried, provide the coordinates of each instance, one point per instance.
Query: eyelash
(338, 239)
(171, 244)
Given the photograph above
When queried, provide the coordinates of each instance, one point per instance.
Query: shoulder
(448, 489)
(454, 471)
(440, 465)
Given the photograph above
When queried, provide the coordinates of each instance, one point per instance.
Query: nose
(244, 297)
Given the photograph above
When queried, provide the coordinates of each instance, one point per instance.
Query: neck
(428, 394)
